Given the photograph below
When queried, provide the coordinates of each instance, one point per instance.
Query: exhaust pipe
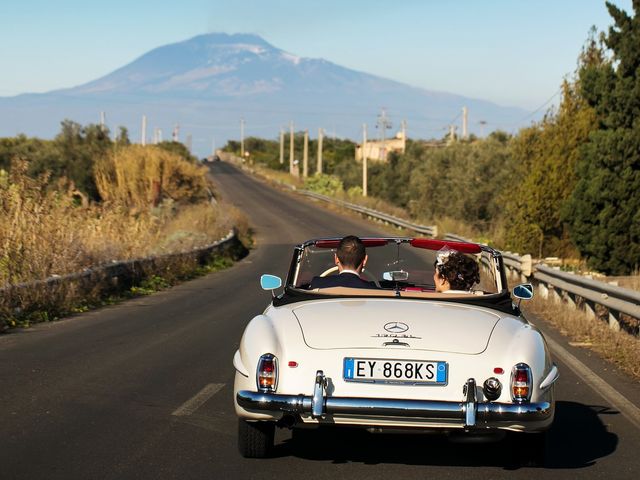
(288, 421)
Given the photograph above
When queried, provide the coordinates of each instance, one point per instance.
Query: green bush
(324, 184)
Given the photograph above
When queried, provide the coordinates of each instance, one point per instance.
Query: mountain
(208, 83)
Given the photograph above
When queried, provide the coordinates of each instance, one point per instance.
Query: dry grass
(137, 176)
(375, 204)
(619, 348)
(44, 231)
(456, 227)
(632, 281)
(276, 176)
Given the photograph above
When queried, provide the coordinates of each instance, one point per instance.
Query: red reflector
(293, 364)
(521, 376)
(498, 371)
(267, 366)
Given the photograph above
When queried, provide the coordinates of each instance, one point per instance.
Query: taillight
(267, 374)
(521, 382)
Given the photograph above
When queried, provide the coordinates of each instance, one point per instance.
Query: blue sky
(510, 52)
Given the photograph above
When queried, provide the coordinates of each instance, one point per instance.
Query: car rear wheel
(255, 439)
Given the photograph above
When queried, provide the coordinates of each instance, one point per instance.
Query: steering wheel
(366, 273)
(329, 271)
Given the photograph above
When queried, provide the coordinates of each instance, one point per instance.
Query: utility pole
(383, 124)
(281, 146)
(452, 134)
(482, 123)
(364, 160)
(144, 131)
(291, 148)
(242, 138)
(176, 133)
(319, 167)
(404, 136)
(305, 155)
(465, 114)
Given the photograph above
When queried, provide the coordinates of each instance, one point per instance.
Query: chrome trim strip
(551, 378)
(490, 414)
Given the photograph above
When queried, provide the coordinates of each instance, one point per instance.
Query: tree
(123, 137)
(179, 149)
(79, 148)
(604, 209)
(546, 155)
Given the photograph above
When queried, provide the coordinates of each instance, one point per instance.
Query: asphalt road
(143, 389)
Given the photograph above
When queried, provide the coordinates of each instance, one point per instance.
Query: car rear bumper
(468, 414)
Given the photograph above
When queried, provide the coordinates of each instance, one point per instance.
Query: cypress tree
(603, 212)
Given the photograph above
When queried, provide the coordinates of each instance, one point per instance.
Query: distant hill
(206, 84)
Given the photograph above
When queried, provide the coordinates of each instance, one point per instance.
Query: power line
(454, 119)
(542, 106)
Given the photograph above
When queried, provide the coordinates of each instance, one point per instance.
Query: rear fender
(514, 341)
(259, 338)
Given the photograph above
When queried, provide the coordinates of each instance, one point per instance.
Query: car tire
(255, 439)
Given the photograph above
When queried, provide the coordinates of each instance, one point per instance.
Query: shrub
(324, 184)
(137, 177)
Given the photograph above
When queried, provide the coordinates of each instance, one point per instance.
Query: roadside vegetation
(566, 186)
(617, 347)
(100, 202)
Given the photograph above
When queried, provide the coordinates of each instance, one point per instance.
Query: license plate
(377, 370)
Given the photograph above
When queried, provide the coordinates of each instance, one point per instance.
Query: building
(378, 150)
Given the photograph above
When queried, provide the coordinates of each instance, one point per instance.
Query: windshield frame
(493, 256)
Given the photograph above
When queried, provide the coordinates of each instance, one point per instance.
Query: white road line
(601, 387)
(195, 402)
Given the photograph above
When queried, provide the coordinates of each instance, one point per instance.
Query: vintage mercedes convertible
(396, 356)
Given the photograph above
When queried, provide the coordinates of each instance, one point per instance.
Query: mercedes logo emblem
(396, 327)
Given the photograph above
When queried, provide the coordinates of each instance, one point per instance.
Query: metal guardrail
(522, 265)
(109, 278)
(576, 290)
(430, 230)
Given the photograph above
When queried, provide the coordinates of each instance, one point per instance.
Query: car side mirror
(523, 291)
(270, 282)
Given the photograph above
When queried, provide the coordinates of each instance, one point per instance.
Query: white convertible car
(395, 357)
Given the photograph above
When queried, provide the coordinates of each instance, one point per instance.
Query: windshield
(392, 264)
